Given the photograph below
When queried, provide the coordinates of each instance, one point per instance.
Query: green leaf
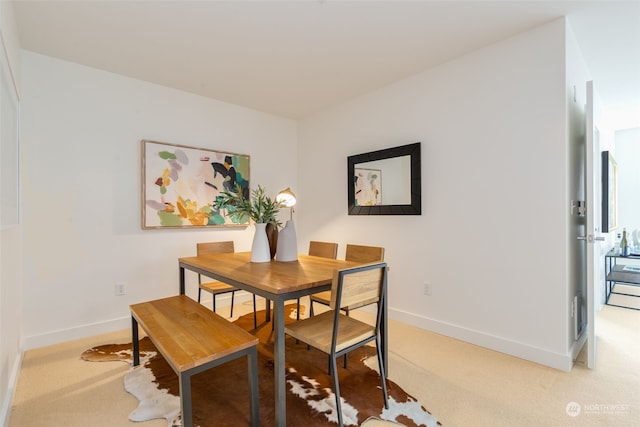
(166, 155)
(260, 208)
(168, 219)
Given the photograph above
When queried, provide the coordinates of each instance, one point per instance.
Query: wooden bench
(193, 339)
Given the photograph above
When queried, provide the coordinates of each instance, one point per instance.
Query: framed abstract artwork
(180, 184)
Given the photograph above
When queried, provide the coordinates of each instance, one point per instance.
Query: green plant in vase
(259, 208)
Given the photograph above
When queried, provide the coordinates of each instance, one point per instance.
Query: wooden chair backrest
(358, 286)
(215, 248)
(360, 253)
(323, 249)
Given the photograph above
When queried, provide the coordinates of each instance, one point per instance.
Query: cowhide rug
(220, 396)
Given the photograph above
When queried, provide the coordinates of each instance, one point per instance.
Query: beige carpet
(462, 384)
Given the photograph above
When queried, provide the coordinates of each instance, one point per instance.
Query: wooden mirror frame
(414, 208)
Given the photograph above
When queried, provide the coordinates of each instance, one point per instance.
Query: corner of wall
(9, 393)
(10, 261)
(10, 41)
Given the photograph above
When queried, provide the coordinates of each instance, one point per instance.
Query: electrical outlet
(427, 288)
(120, 289)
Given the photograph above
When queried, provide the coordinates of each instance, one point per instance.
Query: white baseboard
(11, 391)
(75, 333)
(88, 330)
(579, 343)
(562, 362)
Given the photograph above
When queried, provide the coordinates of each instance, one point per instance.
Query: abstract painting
(180, 184)
(368, 187)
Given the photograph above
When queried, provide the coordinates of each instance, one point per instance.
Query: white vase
(287, 243)
(260, 247)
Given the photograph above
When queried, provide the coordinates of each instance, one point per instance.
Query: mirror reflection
(385, 182)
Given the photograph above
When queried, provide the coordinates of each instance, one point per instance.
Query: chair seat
(322, 297)
(216, 287)
(317, 331)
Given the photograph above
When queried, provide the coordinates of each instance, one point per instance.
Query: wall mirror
(385, 182)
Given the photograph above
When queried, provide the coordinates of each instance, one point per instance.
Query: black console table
(619, 273)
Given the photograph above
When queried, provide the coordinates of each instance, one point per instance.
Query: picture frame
(368, 186)
(401, 167)
(609, 192)
(180, 184)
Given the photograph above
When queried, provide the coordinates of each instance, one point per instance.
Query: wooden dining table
(277, 282)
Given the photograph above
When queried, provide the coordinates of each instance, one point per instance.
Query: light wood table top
(273, 278)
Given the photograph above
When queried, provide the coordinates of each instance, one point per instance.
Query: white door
(593, 223)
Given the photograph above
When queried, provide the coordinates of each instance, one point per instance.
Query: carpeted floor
(462, 384)
(220, 394)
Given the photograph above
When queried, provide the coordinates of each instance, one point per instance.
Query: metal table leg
(182, 285)
(278, 368)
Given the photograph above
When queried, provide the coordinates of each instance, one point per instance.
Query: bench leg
(252, 361)
(185, 399)
(135, 342)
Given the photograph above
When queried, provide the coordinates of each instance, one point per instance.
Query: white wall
(491, 239)
(10, 39)
(10, 245)
(81, 190)
(577, 74)
(627, 155)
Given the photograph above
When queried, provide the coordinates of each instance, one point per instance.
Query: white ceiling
(294, 58)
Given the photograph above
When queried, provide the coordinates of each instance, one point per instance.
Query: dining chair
(337, 334)
(216, 287)
(321, 249)
(356, 253)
